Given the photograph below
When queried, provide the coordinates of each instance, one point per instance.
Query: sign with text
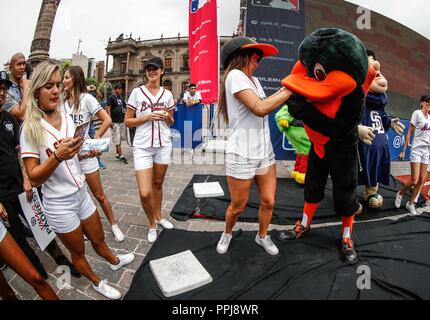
(280, 23)
(203, 48)
(35, 215)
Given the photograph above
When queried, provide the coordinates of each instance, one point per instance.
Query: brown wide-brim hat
(236, 44)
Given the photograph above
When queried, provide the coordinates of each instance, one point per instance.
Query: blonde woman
(81, 107)
(50, 158)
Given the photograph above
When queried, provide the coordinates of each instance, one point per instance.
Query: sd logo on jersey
(196, 5)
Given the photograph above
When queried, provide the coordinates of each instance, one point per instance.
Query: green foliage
(91, 81)
(64, 66)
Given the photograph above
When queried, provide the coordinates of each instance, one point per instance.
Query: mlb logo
(293, 5)
(196, 5)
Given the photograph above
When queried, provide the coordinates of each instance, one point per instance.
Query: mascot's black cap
(236, 44)
(335, 49)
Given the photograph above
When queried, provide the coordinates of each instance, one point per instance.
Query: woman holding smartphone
(50, 158)
(150, 110)
(82, 106)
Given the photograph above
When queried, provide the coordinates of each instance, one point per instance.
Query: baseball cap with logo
(4, 77)
(155, 62)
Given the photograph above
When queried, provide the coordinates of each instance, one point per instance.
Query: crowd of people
(39, 149)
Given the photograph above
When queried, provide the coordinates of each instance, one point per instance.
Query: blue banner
(396, 142)
(282, 24)
(187, 129)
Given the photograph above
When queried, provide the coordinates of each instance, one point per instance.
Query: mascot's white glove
(366, 134)
(397, 126)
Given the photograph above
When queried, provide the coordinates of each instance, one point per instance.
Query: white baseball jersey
(196, 96)
(67, 178)
(154, 133)
(249, 135)
(88, 107)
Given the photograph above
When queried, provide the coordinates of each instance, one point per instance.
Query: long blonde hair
(34, 132)
(239, 61)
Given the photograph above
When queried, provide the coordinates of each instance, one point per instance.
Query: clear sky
(96, 20)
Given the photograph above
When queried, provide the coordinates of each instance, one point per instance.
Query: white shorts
(2, 231)
(245, 169)
(90, 165)
(420, 155)
(118, 133)
(144, 158)
(65, 214)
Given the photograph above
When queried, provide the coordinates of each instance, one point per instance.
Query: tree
(91, 81)
(64, 66)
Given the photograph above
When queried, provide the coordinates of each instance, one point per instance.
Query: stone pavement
(121, 188)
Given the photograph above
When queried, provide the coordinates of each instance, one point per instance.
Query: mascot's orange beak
(337, 84)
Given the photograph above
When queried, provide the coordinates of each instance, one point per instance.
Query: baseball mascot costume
(375, 157)
(295, 133)
(330, 81)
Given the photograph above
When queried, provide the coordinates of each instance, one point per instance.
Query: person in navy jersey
(375, 157)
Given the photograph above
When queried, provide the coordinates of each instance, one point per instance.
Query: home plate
(179, 273)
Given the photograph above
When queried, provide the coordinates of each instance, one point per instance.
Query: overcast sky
(94, 21)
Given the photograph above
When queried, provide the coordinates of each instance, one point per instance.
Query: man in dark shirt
(116, 109)
(13, 181)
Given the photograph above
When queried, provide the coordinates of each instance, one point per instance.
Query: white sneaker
(124, 259)
(106, 290)
(398, 200)
(411, 208)
(267, 244)
(223, 243)
(164, 223)
(119, 236)
(152, 235)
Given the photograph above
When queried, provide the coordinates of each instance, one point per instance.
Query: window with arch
(168, 62)
(186, 61)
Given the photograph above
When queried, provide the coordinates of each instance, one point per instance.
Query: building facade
(128, 57)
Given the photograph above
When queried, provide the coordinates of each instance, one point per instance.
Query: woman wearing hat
(150, 110)
(420, 152)
(250, 156)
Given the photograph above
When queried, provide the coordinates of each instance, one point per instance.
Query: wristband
(58, 159)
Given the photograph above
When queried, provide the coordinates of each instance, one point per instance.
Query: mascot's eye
(319, 72)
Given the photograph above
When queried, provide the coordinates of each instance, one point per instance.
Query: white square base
(179, 273)
(207, 190)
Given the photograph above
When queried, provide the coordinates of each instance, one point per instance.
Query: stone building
(128, 57)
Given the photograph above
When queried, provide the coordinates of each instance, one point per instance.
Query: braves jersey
(375, 158)
(67, 178)
(88, 107)
(153, 133)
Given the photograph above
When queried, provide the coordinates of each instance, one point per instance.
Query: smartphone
(81, 130)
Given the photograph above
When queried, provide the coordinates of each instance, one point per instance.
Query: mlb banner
(203, 48)
(34, 213)
(280, 23)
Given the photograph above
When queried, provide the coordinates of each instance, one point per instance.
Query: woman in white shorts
(13, 256)
(50, 158)
(250, 156)
(81, 106)
(420, 152)
(150, 110)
